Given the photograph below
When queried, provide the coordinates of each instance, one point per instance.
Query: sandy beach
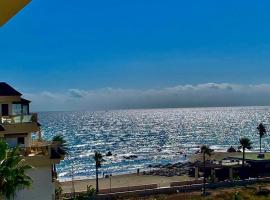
(129, 180)
(123, 181)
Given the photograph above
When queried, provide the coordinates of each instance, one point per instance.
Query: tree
(245, 143)
(62, 147)
(262, 132)
(205, 150)
(12, 172)
(89, 195)
(62, 143)
(98, 159)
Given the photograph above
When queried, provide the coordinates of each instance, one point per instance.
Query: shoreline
(218, 154)
(162, 178)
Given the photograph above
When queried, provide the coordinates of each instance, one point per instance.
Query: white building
(17, 128)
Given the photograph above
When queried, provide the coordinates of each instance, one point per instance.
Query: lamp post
(72, 181)
(110, 183)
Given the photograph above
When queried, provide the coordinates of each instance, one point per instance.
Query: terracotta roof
(7, 90)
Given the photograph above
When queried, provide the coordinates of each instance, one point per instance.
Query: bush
(89, 195)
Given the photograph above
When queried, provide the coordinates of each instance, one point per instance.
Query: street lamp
(110, 183)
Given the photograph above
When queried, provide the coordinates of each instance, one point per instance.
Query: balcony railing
(43, 148)
(18, 119)
(37, 148)
(33, 151)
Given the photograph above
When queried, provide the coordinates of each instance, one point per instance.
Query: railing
(32, 151)
(40, 143)
(172, 190)
(18, 119)
(37, 148)
(44, 148)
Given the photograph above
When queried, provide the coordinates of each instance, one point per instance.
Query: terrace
(253, 157)
(18, 119)
(42, 148)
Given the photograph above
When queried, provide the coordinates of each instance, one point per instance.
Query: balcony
(18, 119)
(43, 148)
(19, 124)
(36, 148)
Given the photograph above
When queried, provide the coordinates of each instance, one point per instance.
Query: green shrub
(89, 195)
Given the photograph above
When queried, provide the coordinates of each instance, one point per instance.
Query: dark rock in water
(130, 157)
(169, 165)
(109, 154)
(157, 166)
(231, 150)
(178, 165)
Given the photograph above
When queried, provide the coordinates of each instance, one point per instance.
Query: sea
(148, 136)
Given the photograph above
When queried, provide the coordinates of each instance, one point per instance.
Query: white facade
(42, 188)
(17, 125)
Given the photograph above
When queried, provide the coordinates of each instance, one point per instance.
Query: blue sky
(56, 46)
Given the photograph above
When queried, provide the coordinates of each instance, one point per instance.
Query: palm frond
(13, 174)
(98, 157)
(62, 142)
(261, 130)
(206, 150)
(245, 143)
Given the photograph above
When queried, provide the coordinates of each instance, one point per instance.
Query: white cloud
(208, 94)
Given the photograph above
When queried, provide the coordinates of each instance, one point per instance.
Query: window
(20, 140)
(20, 109)
(25, 109)
(12, 142)
(16, 109)
(4, 109)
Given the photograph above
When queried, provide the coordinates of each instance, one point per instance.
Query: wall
(42, 187)
(28, 139)
(131, 188)
(8, 100)
(181, 189)
(20, 128)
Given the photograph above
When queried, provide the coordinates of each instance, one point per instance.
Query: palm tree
(205, 150)
(245, 143)
(12, 172)
(262, 131)
(98, 159)
(62, 148)
(62, 143)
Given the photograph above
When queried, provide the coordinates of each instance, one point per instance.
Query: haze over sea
(154, 136)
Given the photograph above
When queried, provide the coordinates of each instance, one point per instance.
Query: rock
(109, 154)
(231, 150)
(157, 166)
(130, 157)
